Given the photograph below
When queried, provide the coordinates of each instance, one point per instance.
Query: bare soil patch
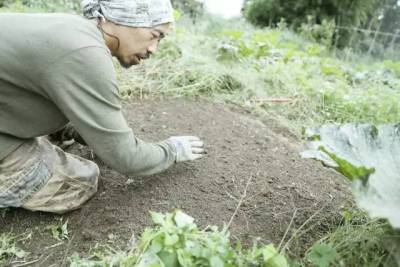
(283, 188)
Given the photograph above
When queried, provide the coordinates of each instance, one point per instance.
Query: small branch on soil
(287, 230)
(301, 227)
(25, 263)
(242, 198)
(278, 100)
(55, 245)
(247, 221)
(132, 243)
(230, 195)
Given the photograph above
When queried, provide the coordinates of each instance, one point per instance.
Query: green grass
(258, 68)
(358, 241)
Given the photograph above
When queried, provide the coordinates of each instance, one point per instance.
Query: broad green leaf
(370, 157)
(157, 218)
(154, 248)
(216, 261)
(149, 259)
(277, 261)
(182, 219)
(322, 255)
(272, 258)
(184, 258)
(269, 252)
(169, 259)
(171, 240)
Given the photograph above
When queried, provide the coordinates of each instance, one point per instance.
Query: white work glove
(187, 147)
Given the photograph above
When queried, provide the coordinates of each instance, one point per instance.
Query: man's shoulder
(54, 31)
(73, 31)
(41, 18)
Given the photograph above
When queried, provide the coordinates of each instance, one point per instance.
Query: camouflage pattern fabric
(133, 13)
(39, 176)
(23, 173)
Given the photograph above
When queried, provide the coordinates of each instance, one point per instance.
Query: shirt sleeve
(83, 85)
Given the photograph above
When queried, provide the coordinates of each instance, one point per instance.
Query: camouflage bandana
(133, 13)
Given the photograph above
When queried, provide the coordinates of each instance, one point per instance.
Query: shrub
(345, 13)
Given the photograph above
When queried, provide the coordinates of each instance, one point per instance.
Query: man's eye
(156, 37)
(159, 35)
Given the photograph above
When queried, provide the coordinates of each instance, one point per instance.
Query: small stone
(111, 236)
(87, 235)
(129, 181)
(108, 208)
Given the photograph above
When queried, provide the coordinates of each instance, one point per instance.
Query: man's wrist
(171, 147)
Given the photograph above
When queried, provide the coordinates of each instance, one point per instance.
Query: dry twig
(240, 202)
(288, 100)
(301, 227)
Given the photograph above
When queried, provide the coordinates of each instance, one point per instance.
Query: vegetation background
(303, 63)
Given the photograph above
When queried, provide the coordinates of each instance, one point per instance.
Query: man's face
(137, 44)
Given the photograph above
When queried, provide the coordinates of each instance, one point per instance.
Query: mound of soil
(284, 192)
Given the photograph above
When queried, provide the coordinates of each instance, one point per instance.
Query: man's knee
(45, 178)
(22, 174)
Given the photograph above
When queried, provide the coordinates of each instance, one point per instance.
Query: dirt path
(240, 150)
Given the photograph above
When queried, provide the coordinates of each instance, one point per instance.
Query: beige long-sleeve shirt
(55, 69)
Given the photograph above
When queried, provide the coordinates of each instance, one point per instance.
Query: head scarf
(133, 13)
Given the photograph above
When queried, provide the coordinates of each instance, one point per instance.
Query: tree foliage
(343, 13)
(43, 5)
(194, 8)
(391, 17)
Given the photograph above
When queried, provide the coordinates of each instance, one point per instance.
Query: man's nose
(152, 48)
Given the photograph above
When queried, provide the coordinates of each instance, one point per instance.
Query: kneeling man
(57, 70)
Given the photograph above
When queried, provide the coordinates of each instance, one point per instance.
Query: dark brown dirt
(282, 186)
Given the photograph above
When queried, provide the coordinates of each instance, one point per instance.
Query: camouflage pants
(39, 176)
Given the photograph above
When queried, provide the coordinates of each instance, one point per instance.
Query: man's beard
(124, 63)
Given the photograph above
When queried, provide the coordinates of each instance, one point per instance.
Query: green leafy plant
(9, 250)
(176, 241)
(59, 231)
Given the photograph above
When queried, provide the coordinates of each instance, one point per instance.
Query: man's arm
(83, 86)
